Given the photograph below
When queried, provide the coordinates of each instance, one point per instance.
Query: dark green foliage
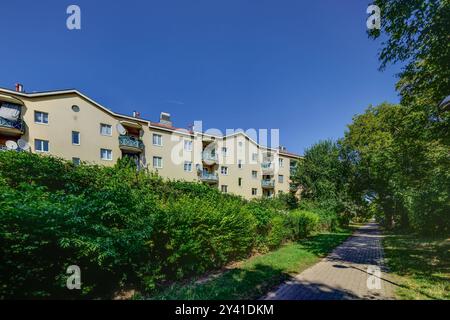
(401, 168)
(122, 227)
(303, 223)
(326, 176)
(278, 232)
(417, 35)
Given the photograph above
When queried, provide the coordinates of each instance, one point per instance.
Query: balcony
(9, 126)
(209, 177)
(293, 187)
(268, 184)
(292, 170)
(130, 143)
(210, 158)
(267, 167)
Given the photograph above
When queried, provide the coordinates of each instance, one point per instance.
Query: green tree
(417, 35)
(400, 167)
(324, 174)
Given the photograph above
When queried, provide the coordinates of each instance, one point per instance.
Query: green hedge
(303, 223)
(123, 228)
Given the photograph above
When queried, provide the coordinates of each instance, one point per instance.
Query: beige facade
(69, 125)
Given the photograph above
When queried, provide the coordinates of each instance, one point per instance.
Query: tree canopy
(417, 35)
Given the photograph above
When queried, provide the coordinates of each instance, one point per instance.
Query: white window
(240, 144)
(106, 154)
(224, 188)
(255, 157)
(187, 145)
(224, 151)
(41, 145)
(254, 191)
(188, 166)
(157, 162)
(76, 161)
(41, 117)
(224, 170)
(157, 140)
(240, 164)
(255, 174)
(105, 129)
(76, 138)
(280, 178)
(281, 162)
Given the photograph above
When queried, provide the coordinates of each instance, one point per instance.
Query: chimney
(19, 87)
(164, 118)
(136, 114)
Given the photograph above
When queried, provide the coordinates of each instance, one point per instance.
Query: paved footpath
(349, 272)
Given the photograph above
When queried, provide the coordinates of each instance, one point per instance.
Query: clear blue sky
(305, 67)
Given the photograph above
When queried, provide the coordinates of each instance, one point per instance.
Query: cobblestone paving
(349, 272)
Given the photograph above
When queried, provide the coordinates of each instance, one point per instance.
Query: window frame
(43, 114)
(189, 163)
(79, 138)
(42, 144)
(77, 162)
(105, 125)
(222, 170)
(189, 143)
(161, 162)
(108, 152)
(160, 140)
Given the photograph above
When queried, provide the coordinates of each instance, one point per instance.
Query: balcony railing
(18, 124)
(209, 177)
(209, 157)
(267, 166)
(268, 183)
(130, 141)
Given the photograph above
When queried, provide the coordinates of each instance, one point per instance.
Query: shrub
(278, 233)
(122, 227)
(194, 235)
(303, 223)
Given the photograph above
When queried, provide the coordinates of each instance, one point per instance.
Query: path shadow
(293, 290)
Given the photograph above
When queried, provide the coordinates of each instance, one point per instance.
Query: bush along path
(354, 270)
(131, 230)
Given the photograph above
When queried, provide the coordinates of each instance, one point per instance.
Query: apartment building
(72, 126)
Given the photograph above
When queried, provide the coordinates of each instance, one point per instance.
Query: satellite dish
(11, 145)
(121, 129)
(23, 144)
